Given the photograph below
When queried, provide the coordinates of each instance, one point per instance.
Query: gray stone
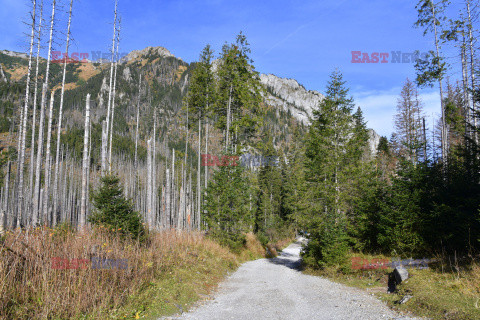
(401, 274)
(405, 299)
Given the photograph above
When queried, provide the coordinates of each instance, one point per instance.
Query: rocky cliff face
(291, 96)
(373, 141)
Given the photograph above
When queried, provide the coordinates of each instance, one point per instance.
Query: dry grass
(253, 249)
(68, 86)
(179, 72)
(283, 243)
(87, 70)
(168, 273)
(451, 292)
(17, 73)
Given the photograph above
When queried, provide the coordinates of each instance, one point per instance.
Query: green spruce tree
(239, 93)
(228, 209)
(334, 149)
(114, 211)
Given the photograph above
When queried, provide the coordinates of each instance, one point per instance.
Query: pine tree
(430, 16)
(296, 195)
(114, 211)
(334, 146)
(239, 93)
(227, 211)
(408, 123)
(268, 218)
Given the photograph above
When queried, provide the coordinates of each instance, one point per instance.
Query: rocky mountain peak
(149, 50)
(290, 95)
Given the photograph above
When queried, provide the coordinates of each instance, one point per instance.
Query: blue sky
(305, 40)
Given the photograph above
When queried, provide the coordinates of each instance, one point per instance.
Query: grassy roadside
(163, 277)
(443, 291)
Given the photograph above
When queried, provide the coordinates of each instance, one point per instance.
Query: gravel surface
(274, 289)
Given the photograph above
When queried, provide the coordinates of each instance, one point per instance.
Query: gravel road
(274, 289)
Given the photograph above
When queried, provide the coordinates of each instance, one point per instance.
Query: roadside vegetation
(448, 289)
(164, 276)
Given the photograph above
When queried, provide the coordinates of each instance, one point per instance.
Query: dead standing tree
(59, 122)
(23, 124)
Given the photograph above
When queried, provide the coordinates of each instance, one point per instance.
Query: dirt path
(274, 289)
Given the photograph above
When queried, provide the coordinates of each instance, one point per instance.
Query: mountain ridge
(286, 94)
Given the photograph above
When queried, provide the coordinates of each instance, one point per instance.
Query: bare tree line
(62, 196)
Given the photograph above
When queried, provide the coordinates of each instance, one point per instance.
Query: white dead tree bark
(113, 101)
(36, 201)
(32, 147)
(199, 172)
(59, 122)
(46, 188)
(149, 185)
(444, 123)
(85, 167)
(111, 72)
(87, 211)
(182, 204)
(138, 116)
(38, 162)
(472, 66)
(173, 210)
(103, 155)
(206, 167)
(190, 202)
(466, 93)
(154, 171)
(22, 134)
(2, 74)
(167, 198)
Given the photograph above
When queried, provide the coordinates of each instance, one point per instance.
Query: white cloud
(379, 107)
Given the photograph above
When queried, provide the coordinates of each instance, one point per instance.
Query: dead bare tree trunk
(113, 102)
(59, 122)
(149, 183)
(167, 198)
(472, 68)
(466, 93)
(85, 167)
(138, 116)
(2, 74)
(154, 171)
(199, 172)
(47, 168)
(104, 147)
(32, 148)
(111, 73)
(172, 193)
(444, 123)
(42, 120)
(22, 134)
(38, 162)
(182, 205)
